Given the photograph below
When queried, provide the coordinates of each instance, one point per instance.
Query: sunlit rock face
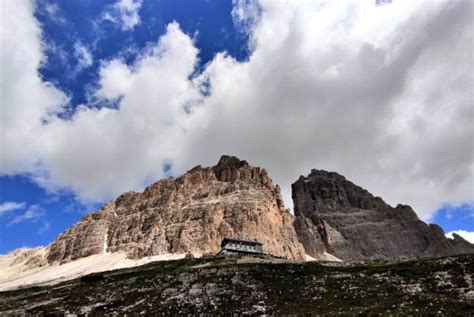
(192, 213)
(341, 218)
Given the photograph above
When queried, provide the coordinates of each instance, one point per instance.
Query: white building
(231, 246)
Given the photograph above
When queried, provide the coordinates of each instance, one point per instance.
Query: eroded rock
(341, 218)
(192, 213)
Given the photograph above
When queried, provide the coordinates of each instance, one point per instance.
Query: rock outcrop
(231, 287)
(333, 215)
(192, 213)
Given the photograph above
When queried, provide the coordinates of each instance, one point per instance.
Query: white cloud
(467, 235)
(11, 206)
(351, 87)
(124, 13)
(133, 142)
(33, 213)
(380, 94)
(83, 55)
(25, 99)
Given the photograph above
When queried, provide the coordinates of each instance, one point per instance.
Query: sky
(103, 97)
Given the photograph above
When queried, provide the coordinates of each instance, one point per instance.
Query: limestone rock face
(192, 213)
(34, 257)
(336, 216)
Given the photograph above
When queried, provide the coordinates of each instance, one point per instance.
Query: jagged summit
(336, 216)
(191, 213)
(228, 161)
(331, 188)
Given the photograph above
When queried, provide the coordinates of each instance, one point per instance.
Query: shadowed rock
(334, 215)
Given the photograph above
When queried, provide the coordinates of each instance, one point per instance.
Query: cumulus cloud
(467, 235)
(27, 101)
(351, 87)
(379, 93)
(125, 13)
(131, 143)
(10, 206)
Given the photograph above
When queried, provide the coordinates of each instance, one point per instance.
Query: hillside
(224, 286)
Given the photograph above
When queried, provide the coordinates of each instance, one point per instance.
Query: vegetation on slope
(222, 286)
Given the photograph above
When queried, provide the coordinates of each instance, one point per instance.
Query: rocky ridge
(189, 214)
(336, 216)
(334, 220)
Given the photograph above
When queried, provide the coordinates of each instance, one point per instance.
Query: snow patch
(330, 257)
(20, 275)
(106, 237)
(323, 257)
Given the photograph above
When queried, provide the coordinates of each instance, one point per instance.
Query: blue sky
(292, 89)
(209, 22)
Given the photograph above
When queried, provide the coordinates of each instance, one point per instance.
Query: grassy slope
(222, 286)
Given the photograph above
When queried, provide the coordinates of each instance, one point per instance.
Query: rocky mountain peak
(195, 211)
(332, 190)
(232, 162)
(336, 216)
(231, 169)
(191, 213)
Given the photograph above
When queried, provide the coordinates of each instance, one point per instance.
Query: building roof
(226, 239)
(239, 251)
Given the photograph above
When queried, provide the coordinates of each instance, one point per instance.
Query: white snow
(14, 275)
(106, 237)
(330, 257)
(18, 275)
(324, 257)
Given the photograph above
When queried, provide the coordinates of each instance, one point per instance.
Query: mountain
(336, 216)
(189, 214)
(334, 220)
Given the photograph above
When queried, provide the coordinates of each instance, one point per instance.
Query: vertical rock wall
(334, 215)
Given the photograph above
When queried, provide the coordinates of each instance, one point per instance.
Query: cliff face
(189, 214)
(334, 215)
